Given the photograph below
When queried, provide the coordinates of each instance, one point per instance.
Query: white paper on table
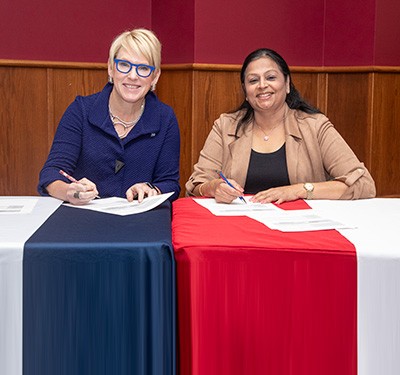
(237, 207)
(15, 205)
(120, 206)
(299, 221)
(274, 217)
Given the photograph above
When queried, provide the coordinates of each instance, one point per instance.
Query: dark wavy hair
(294, 100)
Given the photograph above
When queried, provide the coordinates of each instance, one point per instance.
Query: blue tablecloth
(99, 295)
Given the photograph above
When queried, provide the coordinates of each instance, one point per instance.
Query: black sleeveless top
(266, 171)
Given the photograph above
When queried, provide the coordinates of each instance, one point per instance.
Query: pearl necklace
(125, 124)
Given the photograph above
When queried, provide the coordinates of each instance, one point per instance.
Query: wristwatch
(309, 187)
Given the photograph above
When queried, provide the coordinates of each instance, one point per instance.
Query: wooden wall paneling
(348, 108)
(215, 92)
(322, 89)
(362, 103)
(23, 130)
(175, 88)
(308, 86)
(385, 163)
(66, 84)
(198, 97)
(94, 80)
(5, 124)
(63, 85)
(369, 139)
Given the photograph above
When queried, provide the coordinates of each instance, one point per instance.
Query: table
(256, 301)
(99, 295)
(378, 279)
(14, 231)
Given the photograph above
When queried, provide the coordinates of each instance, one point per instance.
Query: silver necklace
(266, 136)
(125, 124)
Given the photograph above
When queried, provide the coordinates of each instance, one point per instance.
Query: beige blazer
(315, 152)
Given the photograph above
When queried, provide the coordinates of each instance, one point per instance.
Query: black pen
(229, 184)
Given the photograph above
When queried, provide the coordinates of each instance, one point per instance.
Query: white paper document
(15, 205)
(274, 217)
(299, 221)
(120, 206)
(236, 208)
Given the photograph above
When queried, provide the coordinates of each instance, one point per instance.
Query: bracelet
(200, 192)
(151, 186)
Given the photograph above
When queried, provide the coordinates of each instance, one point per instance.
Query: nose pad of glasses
(133, 73)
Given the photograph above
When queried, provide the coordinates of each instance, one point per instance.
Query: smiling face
(265, 85)
(130, 87)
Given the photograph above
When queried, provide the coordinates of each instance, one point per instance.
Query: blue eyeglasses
(142, 70)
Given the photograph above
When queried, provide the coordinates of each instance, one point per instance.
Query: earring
(110, 80)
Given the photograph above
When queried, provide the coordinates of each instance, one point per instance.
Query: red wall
(173, 22)
(306, 33)
(66, 30)
(349, 32)
(387, 34)
(227, 31)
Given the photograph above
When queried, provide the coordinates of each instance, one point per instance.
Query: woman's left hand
(279, 194)
(140, 191)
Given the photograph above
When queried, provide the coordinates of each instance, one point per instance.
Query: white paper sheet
(300, 221)
(15, 205)
(274, 217)
(120, 206)
(237, 207)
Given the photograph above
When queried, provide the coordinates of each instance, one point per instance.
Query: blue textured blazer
(87, 145)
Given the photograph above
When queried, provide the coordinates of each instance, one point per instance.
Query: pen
(72, 179)
(65, 174)
(229, 184)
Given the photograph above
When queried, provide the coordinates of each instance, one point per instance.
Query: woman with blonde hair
(122, 141)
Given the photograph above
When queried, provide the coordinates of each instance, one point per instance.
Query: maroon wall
(349, 32)
(226, 31)
(173, 22)
(387, 34)
(66, 30)
(306, 33)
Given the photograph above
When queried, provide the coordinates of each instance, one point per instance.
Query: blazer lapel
(293, 140)
(240, 150)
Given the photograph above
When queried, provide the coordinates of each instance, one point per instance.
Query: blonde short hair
(141, 41)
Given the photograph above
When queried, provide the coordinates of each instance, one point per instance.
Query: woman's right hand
(82, 192)
(221, 191)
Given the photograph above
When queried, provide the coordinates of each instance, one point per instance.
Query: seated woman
(276, 146)
(121, 141)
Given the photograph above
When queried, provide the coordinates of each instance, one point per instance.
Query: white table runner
(15, 230)
(377, 242)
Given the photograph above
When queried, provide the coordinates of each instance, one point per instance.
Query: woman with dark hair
(293, 98)
(276, 145)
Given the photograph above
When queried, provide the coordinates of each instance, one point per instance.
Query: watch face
(308, 186)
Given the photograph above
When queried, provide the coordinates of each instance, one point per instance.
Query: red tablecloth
(256, 301)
